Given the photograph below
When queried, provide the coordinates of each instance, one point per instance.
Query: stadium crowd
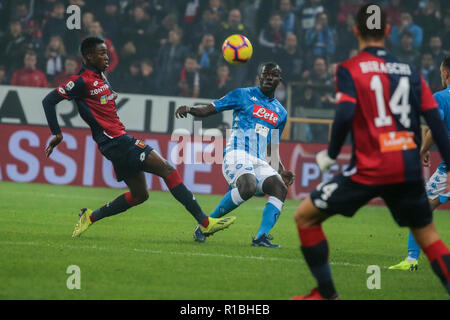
(172, 47)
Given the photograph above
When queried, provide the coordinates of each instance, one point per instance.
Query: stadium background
(167, 53)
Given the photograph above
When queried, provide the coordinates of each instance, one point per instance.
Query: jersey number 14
(399, 103)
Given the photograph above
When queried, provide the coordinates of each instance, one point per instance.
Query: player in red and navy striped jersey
(380, 101)
(131, 157)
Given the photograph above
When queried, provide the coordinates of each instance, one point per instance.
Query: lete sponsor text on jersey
(265, 114)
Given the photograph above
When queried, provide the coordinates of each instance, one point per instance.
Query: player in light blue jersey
(436, 184)
(258, 122)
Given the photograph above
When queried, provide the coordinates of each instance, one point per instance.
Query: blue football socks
(270, 216)
(413, 247)
(229, 202)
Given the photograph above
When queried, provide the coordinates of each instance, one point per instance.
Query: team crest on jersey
(95, 83)
(104, 99)
(140, 144)
(70, 85)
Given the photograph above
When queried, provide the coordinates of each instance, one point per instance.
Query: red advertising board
(77, 161)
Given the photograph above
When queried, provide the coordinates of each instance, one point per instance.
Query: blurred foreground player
(380, 100)
(95, 99)
(259, 120)
(436, 185)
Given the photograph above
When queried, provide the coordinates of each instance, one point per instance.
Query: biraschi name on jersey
(388, 67)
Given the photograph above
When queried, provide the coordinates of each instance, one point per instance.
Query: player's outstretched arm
(49, 103)
(197, 111)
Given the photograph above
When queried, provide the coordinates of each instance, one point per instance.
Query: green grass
(148, 252)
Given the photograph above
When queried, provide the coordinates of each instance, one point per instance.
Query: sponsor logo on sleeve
(70, 85)
(61, 90)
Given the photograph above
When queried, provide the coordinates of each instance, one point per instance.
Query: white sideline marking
(202, 254)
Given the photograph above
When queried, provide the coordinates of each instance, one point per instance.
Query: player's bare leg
(314, 247)
(437, 252)
(277, 191)
(159, 166)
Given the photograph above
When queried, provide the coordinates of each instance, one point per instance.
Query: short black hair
(270, 65)
(89, 44)
(446, 63)
(362, 18)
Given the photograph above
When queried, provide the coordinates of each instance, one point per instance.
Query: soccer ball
(237, 49)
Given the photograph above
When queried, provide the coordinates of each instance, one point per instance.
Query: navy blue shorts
(407, 201)
(127, 155)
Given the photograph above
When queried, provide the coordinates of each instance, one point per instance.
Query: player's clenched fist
(182, 112)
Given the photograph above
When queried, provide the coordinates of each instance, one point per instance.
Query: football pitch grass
(148, 252)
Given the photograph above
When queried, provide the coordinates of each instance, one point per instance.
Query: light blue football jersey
(255, 116)
(443, 100)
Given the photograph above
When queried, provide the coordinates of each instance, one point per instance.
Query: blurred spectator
(14, 45)
(96, 30)
(394, 12)
(406, 51)
(191, 9)
(110, 20)
(430, 72)
(3, 78)
(436, 50)
(430, 19)
(305, 99)
(56, 24)
(290, 59)
(233, 25)
(86, 19)
(169, 63)
(320, 40)
(349, 7)
(149, 85)
(209, 23)
(271, 38)
(131, 81)
(55, 54)
(139, 31)
(249, 10)
(218, 9)
(223, 83)
(309, 13)
(29, 76)
(208, 56)
(71, 67)
(407, 24)
(346, 40)
(287, 16)
(161, 34)
(189, 81)
(445, 32)
(23, 13)
(319, 74)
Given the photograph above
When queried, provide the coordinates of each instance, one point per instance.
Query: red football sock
(439, 257)
(205, 222)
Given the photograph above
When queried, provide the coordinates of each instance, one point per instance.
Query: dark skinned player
(131, 157)
(380, 100)
(259, 120)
